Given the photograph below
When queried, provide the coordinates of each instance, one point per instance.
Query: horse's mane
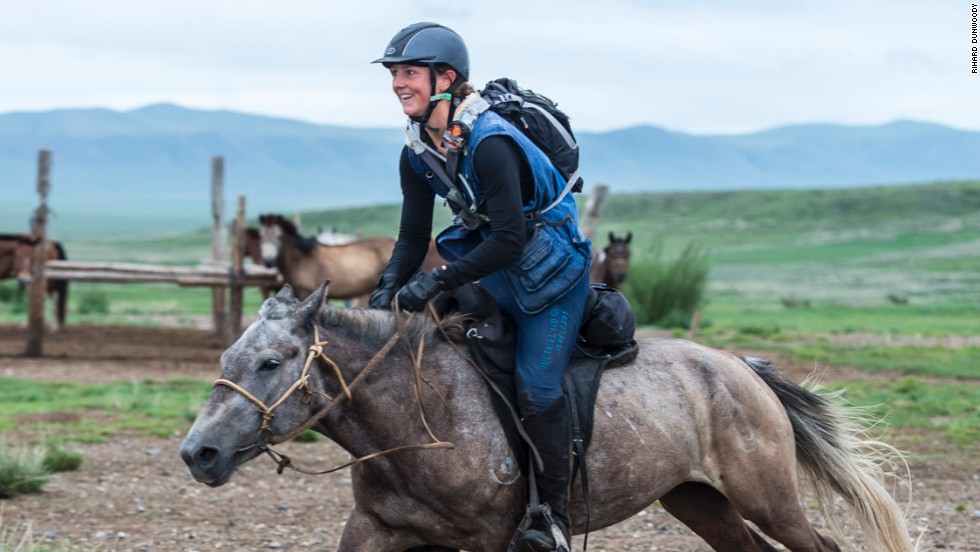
(306, 245)
(372, 328)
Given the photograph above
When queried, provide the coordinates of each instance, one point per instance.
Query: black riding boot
(551, 433)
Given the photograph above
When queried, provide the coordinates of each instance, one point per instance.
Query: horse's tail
(61, 288)
(836, 458)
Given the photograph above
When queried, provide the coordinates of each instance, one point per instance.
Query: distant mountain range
(157, 159)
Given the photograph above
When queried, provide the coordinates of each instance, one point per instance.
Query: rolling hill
(155, 161)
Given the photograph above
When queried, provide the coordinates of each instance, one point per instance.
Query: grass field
(156, 408)
(897, 260)
(885, 280)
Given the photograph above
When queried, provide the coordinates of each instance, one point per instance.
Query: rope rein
(303, 382)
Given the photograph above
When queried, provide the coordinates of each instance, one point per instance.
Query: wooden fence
(227, 277)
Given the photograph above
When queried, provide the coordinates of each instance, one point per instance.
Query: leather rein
(316, 351)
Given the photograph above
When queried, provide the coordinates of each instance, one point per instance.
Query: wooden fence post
(695, 324)
(219, 247)
(593, 209)
(39, 229)
(237, 272)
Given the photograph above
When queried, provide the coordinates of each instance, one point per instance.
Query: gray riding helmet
(430, 44)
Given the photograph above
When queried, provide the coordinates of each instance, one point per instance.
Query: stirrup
(525, 535)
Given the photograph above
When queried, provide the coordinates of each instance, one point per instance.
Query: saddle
(491, 340)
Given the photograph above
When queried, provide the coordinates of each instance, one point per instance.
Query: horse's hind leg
(772, 503)
(709, 514)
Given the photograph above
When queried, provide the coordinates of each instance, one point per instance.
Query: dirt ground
(134, 492)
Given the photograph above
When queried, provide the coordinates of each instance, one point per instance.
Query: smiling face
(411, 86)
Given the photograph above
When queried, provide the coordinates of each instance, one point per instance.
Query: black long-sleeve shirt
(507, 184)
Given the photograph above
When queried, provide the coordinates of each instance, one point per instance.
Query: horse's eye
(269, 364)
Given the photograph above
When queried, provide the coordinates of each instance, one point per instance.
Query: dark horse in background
(611, 265)
(17, 259)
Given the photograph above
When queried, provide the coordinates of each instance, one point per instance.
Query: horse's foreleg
(363, 532)
(709, 514)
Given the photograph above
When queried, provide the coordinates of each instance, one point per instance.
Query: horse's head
(259, 395)
(270, 238)
(618, 257)
(252, 248)
(24, 259)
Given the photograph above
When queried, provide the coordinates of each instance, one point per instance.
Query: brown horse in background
(17, 260)
(612, 264)
(432, 258)
(8, 245)
(352, 268)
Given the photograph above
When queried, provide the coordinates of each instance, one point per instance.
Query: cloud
(695, 66)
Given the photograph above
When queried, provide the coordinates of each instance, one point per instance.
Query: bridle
(315, 351)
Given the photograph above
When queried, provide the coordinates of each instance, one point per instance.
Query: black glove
(382, 296)
(415, 294)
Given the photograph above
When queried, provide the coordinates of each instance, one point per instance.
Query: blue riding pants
(545, 341)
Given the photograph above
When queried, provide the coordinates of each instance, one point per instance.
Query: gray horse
(715, 437)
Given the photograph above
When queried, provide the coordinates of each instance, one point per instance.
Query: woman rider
(516, 232)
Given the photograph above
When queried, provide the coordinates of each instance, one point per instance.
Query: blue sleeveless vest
(556, 253)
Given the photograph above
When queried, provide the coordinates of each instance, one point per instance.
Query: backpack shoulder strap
(457, 202)
(572, 179)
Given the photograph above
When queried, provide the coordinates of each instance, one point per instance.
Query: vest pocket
(547, 270)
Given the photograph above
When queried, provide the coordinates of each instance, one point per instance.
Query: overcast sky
(691, 66)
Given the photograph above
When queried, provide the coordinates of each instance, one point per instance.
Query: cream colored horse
(353, 268)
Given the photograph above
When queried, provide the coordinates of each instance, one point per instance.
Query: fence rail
(210, 274)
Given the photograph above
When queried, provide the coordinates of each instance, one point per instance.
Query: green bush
(794, 303)
(668, 293)
(93, 302)
(57, 459)
(897, 299)
(21, 470)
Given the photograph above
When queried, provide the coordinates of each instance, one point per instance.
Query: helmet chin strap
(435, 98)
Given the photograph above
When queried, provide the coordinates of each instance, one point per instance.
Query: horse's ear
(280, 305)
(286, 294)
(312, 304)
(612, 237)
(629, 236)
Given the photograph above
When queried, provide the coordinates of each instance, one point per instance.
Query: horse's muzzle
(213, 464)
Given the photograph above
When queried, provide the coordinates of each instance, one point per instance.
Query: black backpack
(541, 121)
(536, 116)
